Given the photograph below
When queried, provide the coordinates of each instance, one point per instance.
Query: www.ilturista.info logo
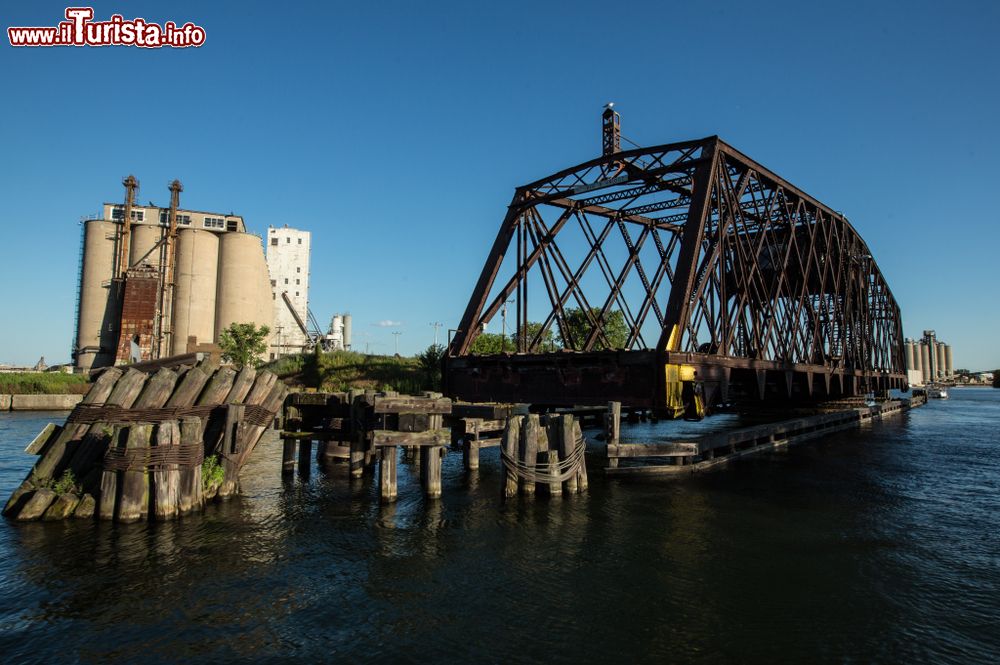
(81, 30)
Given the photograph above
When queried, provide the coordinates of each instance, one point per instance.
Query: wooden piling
(471, 453)
(554, 488)
(133, 505)
(511, 441)
(108, 496)
(166, 480)
(358, 444)
(529, 450)
(231, 448)
(582, 483)
(612, 429)
(190, 494)
(430, 470)
(387, 473)
(567, 446)
(305, 457)
(287, 456)
(241, 385)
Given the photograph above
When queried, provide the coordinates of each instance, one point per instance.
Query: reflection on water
(877, 545)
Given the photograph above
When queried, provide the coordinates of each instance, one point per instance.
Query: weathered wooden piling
(190, 494)
(109, 477)
(166, 477)
(612, 428)
(528, 450)
(566, 439)
(582, 482)
(387, 473)
(133, 504)
(430, 470)
(470, 452)
(358, 445)
(305, 457)
(288, 445)
(137, 441)
(511, 444)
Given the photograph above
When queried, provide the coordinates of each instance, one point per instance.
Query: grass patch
(43, 383)
(212, 474)
(65, 485)
(286, 366)
(340, 371)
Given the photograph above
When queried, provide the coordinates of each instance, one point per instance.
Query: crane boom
(295, 315)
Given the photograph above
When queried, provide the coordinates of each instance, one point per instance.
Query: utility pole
(436, 325)
(503, 325)
(396, 335)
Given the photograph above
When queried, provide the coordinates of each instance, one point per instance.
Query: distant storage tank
(925, 362)
(941, 360)
(337, 331)
(244, 291)
(144, 239)
(908, 344)
(195, 290)
(347, 331)
(97, 270)
(917, 363)
(949, 368)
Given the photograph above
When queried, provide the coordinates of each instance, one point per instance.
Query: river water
(877, 545)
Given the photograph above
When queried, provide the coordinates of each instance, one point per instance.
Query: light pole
(436, 325)
(503, 324)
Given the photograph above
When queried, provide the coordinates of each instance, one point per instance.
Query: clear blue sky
(396, 133)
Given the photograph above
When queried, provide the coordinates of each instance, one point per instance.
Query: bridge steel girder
(757, 289)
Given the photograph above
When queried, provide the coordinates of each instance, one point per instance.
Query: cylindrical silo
(347, 331)
(96, 271)
(917, 363)
(940, 360)
(337, 331)
(949, 368)
(908, 344)
(195, 280)
(144, 239)
(925, 361)
(244, 290)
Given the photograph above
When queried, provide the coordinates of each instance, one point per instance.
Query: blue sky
(396, 133)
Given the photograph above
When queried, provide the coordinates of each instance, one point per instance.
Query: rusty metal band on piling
(185, 455)
(89, 414)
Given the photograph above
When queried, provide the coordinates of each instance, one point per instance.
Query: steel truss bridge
(676, 278)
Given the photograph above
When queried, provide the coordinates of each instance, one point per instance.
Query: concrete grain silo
(925, 362)
(196, 280)
(244, 290)
(172, 294)
(96, 273)
(144, 239)
(940, 360)
(347, 331)
(910, 363)
(949, 367)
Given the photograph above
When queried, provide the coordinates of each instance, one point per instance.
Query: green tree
(490, 343)
(579, 328)
(430, 365)
(547, 342)
(244, 343)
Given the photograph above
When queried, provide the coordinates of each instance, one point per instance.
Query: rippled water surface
(878, 545)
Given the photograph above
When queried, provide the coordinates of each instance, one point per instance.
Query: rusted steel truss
(689, 256)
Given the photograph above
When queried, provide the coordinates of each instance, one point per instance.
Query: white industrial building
(288, 264)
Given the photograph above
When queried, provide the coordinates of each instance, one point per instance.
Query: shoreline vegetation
(341, 371)
(43, 383)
